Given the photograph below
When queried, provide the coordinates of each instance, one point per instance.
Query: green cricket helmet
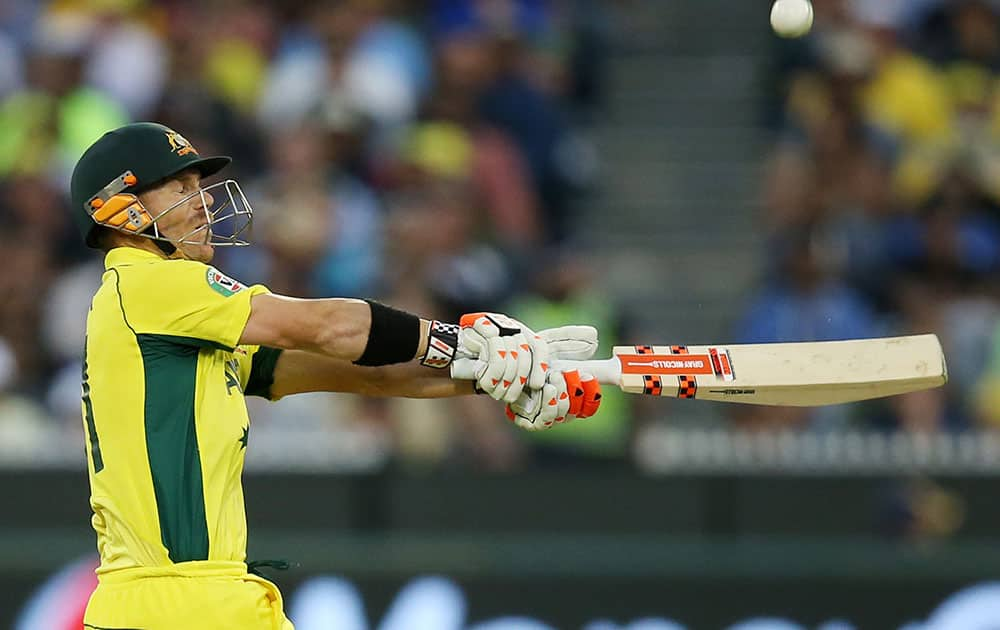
(126, 161)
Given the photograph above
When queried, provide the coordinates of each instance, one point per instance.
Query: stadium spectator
(888, 154)
(321, 228)
(47, 124)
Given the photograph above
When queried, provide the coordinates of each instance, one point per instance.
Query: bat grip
(606, 371)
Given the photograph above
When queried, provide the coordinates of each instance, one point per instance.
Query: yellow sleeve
(185, 299)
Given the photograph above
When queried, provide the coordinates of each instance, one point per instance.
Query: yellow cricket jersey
(164, 414)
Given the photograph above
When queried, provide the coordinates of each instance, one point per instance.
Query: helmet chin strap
(165, 246)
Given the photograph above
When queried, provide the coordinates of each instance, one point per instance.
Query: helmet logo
(179, 144)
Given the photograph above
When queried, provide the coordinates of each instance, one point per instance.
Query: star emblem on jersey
(244, 438)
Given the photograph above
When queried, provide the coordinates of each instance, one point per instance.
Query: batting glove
(509, 356)
(565, 396)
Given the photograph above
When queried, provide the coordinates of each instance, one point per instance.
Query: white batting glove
(573, 343)
(565, 395)
(574, 395)
(509, 356)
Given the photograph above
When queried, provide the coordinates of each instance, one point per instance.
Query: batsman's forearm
(412, 380)
(340, 328)
(298, 371)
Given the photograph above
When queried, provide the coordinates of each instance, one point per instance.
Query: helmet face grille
(228, 218)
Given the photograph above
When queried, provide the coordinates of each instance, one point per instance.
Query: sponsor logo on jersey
(232, 371)
(223, 284)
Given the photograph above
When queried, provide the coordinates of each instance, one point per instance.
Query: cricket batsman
(173, 346)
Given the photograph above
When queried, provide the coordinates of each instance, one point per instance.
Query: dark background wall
(566, 548)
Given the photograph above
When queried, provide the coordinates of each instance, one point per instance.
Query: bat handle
(606, 371)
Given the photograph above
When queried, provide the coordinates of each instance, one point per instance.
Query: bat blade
(801, 374)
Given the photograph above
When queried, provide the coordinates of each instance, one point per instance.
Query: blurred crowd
(433, 153)
(882, 199)
(426, 153)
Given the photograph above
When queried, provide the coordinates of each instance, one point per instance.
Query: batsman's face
(183, 214)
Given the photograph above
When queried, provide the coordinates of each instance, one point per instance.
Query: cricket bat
(802, 374)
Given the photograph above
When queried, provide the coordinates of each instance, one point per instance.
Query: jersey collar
(128, 255)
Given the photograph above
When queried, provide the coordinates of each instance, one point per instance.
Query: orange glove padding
(575, 390)
(591, 397)
(565, 397)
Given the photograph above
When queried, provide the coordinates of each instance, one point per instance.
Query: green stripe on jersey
(171, 369)
(88, 407)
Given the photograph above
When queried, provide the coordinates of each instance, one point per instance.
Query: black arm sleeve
(262, 372)
(393, 338)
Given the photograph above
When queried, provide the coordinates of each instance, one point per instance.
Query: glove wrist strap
(442, 342)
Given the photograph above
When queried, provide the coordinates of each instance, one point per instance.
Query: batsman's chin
(201, 252)
(203, 245)
(209, 253)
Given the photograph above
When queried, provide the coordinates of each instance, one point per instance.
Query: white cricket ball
(791, 18)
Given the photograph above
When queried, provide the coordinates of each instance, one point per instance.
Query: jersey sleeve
(189, 301)
(256, 369)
